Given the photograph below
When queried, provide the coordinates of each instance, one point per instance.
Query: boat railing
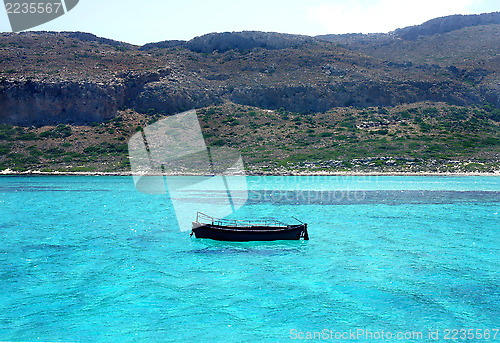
(203, 218)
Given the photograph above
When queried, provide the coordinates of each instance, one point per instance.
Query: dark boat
(244, 230)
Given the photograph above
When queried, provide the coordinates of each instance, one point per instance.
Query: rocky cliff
(33, 102)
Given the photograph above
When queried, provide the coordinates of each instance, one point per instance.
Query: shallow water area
(91, 259)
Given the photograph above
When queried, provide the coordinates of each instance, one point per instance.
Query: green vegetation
(60, 131)
(373, 135)
(405, 138)
(218, 142)
(6, 132)
(106, 148)
(4, 149)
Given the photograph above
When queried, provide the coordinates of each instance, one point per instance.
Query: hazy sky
(144, 21)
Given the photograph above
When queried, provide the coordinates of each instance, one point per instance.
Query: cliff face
(48, 78)
(358, 94)
(39, 103)
(25, 103)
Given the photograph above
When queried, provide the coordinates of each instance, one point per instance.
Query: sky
(145, 21)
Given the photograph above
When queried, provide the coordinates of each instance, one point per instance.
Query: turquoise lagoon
(90, 259)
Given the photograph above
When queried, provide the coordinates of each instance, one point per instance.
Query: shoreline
(9, 172)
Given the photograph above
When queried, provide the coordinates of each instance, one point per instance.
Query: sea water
(91, 259)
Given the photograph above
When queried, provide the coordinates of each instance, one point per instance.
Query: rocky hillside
(70, 100)
(462, 41)
(69, 77)
(468, 46)
(447, 24)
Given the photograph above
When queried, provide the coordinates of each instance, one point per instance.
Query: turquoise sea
(91, 259)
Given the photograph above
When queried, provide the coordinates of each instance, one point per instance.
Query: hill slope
(70, 100)
(73, 77)
(447, 24)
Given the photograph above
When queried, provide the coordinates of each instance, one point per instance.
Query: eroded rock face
(27, 103)
(171, 97)
(38, 103)
(312, 98)
(45, 103)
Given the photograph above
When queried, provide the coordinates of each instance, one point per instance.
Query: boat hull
(247, 234)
